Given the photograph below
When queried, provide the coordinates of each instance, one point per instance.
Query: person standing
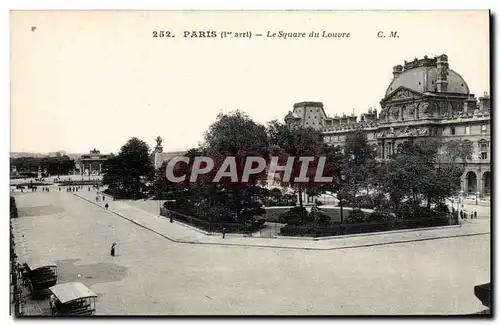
(106, 206)
(224, 232)
(113, 249)
(52, 304)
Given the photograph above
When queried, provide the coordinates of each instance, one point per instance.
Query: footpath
(184, 234)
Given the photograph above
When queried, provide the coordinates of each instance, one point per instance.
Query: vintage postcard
(277, 163)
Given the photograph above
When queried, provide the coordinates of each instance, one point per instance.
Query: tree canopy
(129, 172)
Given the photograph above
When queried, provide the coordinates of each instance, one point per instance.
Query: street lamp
(339, 196)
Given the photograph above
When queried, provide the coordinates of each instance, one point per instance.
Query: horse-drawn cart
(72, 299)
(39, 276)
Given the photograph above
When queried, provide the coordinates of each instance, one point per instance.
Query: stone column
(480, 188)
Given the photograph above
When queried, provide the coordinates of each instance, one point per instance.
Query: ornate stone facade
(91, 164)
(425, 99)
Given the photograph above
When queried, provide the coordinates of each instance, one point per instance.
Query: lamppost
(339, 196)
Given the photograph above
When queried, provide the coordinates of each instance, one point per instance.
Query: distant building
(425, 99)
(91, 164)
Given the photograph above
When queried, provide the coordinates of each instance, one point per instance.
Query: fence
(208, 225)
(366, 227)
(74, 183)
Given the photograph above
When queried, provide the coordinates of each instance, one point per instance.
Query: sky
(91, 79)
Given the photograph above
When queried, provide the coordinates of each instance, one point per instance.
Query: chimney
(397, 70)
(484, 102)
(442, 73)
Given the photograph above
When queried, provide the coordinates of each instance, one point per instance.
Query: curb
(275, 246)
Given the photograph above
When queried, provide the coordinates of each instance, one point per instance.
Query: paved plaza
(164, 268)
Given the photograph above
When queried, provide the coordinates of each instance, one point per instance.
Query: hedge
(231, 227)
(364, 227)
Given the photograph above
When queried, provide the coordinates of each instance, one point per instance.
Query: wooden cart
(72, 299)
(39, 276)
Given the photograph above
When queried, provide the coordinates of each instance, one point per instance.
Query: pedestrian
(171, 218)
(113, 249)
(224, 232)
(475, 214)
(52, 304)
(103, 198)
(97, 199)
(106, 206)
(461, 214)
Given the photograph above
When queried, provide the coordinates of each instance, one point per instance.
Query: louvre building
(425, 98)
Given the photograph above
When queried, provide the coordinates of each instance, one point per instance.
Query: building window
(483, 128)
(469, 149)
(467, 130)
(452, 130)
(483, 149)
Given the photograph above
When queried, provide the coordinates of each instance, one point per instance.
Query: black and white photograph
(250, 163)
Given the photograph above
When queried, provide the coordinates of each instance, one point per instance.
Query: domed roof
(423, 79)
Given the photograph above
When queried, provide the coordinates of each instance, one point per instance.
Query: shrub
(442, 209)
(378, 216)
(294, 216)
(357, 216)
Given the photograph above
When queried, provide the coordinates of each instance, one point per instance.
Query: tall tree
(298, 141)
(413, 174)
(131, 170)
(236, 135)
(359, 165)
